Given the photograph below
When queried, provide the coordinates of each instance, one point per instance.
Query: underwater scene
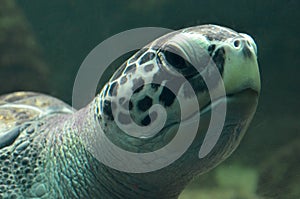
(50, 150)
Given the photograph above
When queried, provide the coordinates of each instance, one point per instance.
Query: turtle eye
(179, 63)
(175, 60)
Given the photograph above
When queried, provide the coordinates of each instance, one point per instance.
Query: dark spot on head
(167, 97)
(155, 86)
(148, 67)
(138, 89)
(130, 105)
(113, 89)
(145, 103)
(123, 80)
(107, 109)
(211, 49)
(124, 119)
(146, 121)
(138, 85)
(147, 57)
(210, 38)
(219, 59)
(130, 69)
(246, 52)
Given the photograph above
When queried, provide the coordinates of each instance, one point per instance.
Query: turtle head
(173, 85)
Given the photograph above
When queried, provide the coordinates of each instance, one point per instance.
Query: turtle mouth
(240, 105)
(252, 93)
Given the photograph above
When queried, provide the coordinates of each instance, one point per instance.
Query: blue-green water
(66, 31)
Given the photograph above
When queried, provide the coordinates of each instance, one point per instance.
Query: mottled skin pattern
(42, 154)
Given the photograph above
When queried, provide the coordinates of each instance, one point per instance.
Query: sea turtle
(43, 153)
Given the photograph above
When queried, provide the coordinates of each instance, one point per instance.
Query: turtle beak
(241, 70)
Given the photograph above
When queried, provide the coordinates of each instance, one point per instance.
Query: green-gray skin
(42, 154)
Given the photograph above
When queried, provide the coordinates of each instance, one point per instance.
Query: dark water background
(67, 30)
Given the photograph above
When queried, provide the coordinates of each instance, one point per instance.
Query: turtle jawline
(207, 108)
(210, 104)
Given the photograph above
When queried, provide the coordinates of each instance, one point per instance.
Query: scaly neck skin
(78, 174)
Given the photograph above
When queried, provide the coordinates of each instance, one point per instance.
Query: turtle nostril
(237, 43)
